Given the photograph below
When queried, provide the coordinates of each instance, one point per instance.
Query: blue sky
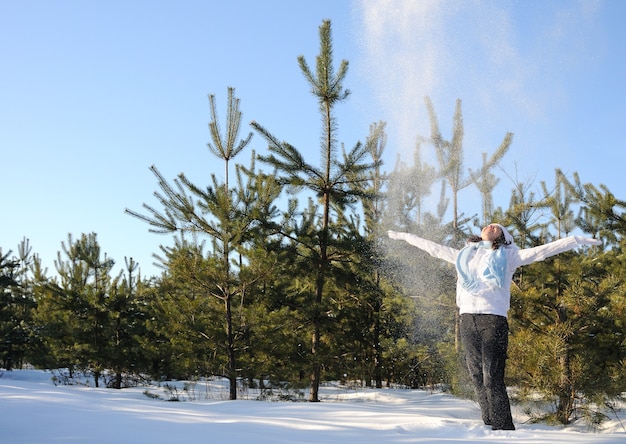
(93, 93)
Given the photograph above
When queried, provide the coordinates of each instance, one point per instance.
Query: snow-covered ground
(35, 410)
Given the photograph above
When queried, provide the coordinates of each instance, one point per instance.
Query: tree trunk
(231, 370)
(317, 370)
(566, 396)
(378, 371)
(315, 340)
(566, 389)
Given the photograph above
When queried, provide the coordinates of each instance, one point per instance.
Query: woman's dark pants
(485, 340)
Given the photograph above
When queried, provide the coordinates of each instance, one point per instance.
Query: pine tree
(523, 214)
(486, 184)
(73, 312)
(565, 342)
(188, 321)
(373, 210)
(408, 187)
(16, 305)
(450, 157)
(223, 214)
(329, 183)
(127, 324)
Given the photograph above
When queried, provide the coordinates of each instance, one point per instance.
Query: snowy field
(35, 410)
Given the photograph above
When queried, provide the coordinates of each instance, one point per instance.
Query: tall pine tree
(329, 183)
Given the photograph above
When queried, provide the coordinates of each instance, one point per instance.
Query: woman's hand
(395, 235)
(587, 240)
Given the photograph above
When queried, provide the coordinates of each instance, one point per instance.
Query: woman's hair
(497, 243)
(500, 241)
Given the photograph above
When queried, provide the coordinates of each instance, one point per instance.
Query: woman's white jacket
(488, 298)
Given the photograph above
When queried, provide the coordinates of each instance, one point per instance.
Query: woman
(485, 268)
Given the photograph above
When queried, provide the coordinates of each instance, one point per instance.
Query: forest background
(285, 277)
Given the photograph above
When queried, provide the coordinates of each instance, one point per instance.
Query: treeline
(287, 277)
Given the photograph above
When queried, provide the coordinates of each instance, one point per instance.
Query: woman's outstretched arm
(535, 254)
(448, 254)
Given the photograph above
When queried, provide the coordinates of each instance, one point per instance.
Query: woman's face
(491, 232)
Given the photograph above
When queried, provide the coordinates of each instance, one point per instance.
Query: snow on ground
(35, 410)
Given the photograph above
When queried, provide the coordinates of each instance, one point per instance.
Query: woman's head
(491, 232)
(497, 235)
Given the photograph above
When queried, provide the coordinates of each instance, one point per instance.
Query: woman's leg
(494, 331)
(473, 347)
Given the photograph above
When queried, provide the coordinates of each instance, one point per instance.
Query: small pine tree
(220, 213)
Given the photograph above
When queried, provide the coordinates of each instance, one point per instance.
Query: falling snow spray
(411, 52)
(444, 50)
(404, 43)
